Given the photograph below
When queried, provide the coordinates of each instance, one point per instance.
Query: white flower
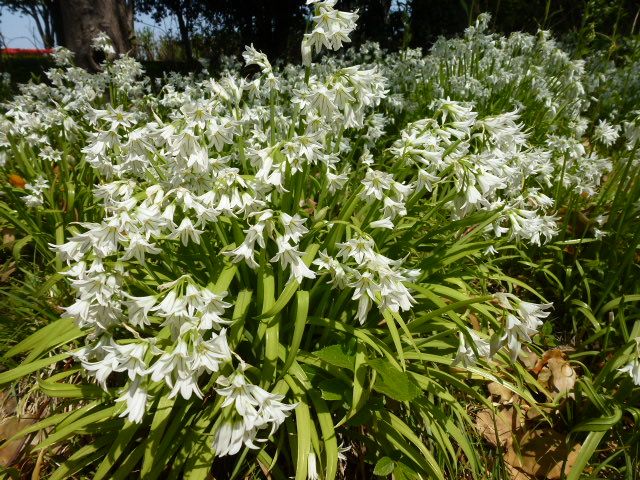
(136, 398)
(605, 133)
(633, 369)
(186, 231)
(211, 354)
(103, 42)
(468, 355)
(294, 227)
(139, 308)
(337, 181)
(176, 370)
(312, 470)
(288, 256)
(138, 247)
(256, 408)
(382, 223)
(523, 326)
(36, 188)
(254, 57)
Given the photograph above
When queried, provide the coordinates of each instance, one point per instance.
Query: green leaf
(67, 390)
(118, 450)
(333, 389)
(338, 356)
(584, 454)
(329, 437)
(165, 410)
(404, 472)
(398, 427)
(240, 310)
(46, 337)
(600, 424)
(79, 426)
(385, 466)
(82, 458)
(302, 309)
(303, 429)
(23, 370)
(392, 382)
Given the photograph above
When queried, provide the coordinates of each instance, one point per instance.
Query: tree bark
(185, 38)
(82, 20)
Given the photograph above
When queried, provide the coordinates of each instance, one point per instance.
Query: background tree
(186, 13)
(45, 14)
(275, 30)
(82, 20)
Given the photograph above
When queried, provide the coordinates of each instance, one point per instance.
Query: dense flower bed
(333, 242)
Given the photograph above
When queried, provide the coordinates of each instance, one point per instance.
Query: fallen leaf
(541, 454)
(498, 429)
(529, 358)
(503, 393)
(8, 428)
(544, 377)
(8, 404)
(473, 319)
(8, 237)
(562, 374)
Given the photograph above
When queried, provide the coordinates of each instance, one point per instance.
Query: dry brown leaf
(541, 454)
(555, 353)
(503, 393)
(473, 319)
(8, 404)
(8, 428)
(529, 358)
(563, 375)
(500, 432)
(544, 377)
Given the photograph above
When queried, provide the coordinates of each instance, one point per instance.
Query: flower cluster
(487, 165)
(331, 28)
(522, 321)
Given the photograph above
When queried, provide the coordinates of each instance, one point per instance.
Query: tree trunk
(185, 38)
(82, 20)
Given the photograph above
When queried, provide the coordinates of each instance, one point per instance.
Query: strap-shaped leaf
(23, 370)
(117, 452)
(329, 438)
(427, 461)
(46, 337)
(302, 310)
(79, 426)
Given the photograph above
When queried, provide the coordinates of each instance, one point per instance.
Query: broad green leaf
(385, 466)
(392, 382)
(337, 355)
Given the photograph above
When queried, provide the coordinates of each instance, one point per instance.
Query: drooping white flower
(289, 256)
(467, 355)
(135, 397)
(253, 409)
(633, 369)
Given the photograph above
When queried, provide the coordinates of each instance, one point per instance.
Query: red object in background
(26, 51)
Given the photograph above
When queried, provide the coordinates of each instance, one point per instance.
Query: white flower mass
(227, 161)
